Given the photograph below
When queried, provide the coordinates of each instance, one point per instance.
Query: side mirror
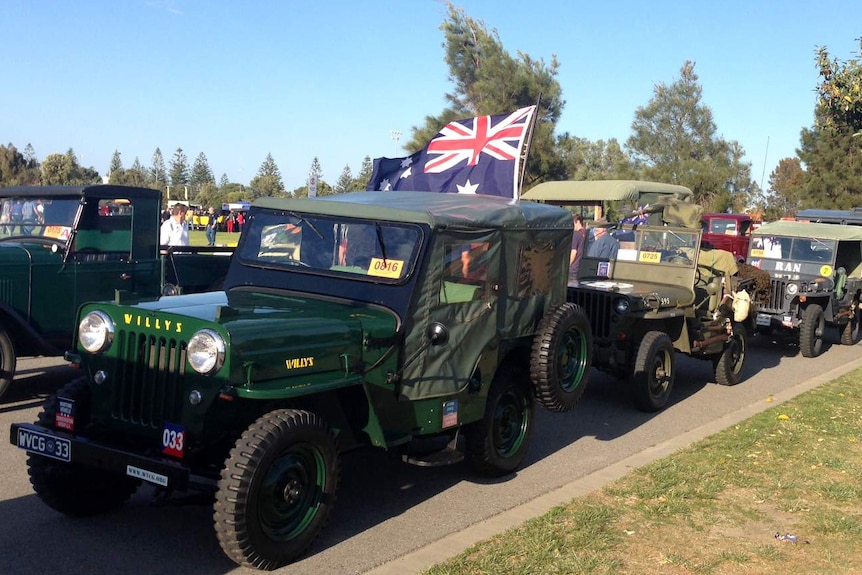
(437, 334)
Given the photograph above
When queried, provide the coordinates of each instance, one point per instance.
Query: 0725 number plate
(44, 444)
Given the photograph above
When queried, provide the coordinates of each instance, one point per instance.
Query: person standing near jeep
(604, 245)
(579, 241)
(212, 227)
(175, 230)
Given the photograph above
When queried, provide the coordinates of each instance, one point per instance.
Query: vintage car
(61, 246)
(424, 324)
(661, 293)
(729, 232)
(816, 279)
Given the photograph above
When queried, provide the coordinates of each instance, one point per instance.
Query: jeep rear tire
(850, 331)
(729, 363)
(811, 331)
(561, 358)
(653, 372)
(277, 489)
(72, 489)
(7, 361)
(496, 444)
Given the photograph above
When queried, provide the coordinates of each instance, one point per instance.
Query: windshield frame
(319, 244)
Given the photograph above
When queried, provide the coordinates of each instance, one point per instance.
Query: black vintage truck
(61, 246)
(425, 324)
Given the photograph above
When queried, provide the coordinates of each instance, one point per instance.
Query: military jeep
(662, 293)
(426, 324)
(816, 279)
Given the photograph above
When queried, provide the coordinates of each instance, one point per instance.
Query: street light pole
(395, 135)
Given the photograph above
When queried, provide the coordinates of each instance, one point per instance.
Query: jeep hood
(273, 335)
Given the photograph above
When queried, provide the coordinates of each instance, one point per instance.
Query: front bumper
(76, 450)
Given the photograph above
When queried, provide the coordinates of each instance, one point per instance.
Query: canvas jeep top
(422, 323)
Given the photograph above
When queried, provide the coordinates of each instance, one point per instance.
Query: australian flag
(479, 155)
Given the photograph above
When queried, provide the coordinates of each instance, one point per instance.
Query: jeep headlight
(621, 305)
(96, 332)
(792, 289)
(206, 351)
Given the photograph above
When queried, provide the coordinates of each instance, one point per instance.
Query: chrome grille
(148, 389)
(598, 307)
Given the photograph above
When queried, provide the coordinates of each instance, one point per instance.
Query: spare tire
(561, 357)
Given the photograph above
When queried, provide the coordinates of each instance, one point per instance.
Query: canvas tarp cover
(529, 270)
(683, 214)
(603, 190)
(810, 230)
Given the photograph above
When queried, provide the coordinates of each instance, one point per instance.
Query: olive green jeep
(816, 279)
(662, 293)
(421, 323)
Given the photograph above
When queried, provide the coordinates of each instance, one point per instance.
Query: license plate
(44, 444)
(764, 320)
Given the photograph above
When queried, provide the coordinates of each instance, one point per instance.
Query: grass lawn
(199, 238)
(714, 508)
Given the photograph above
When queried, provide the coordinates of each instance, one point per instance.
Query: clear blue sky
(331, 78)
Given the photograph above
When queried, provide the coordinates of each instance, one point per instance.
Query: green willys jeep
(61, 246)
(816, 279)
(662, 293)
(418, 322)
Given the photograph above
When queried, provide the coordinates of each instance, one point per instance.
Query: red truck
(731, 232)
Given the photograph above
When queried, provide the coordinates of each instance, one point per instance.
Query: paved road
(386, 509)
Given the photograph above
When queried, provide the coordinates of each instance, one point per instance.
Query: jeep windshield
(793, 249)
(659, 246)
(380, 251)
(33, 216)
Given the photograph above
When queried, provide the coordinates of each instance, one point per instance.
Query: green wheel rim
(511, 421)
(292, 492)
(572, 360)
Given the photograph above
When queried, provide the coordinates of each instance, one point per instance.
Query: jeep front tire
(729, 363)
(69, 488)
(850, 331)
(811, 331)
(561, 358)
(277, 489)
(653, 372)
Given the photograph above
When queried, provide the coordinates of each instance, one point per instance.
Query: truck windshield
(795, 249)
(34, 216)
(660, 246)
(331, 245)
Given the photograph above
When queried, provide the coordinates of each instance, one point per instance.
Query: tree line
(673, 139)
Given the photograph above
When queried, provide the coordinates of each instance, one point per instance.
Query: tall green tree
(833, 165)
(223, 182)
(201, 173)
(786, 189)
(599, 160)
(16, 169)
(674, 140)
(839, 94)
(158, 175)
(487, 80)
(179, 170)
(364, 175)
(64, 170)
(345, 181)
(116, 163)
(267, 182)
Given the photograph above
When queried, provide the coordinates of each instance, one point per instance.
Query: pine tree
(364, 175)
(833, 164)
(158, 175)
(267, 182)
(223, 182)
(674, 140)
(488, 80)
(345, 181)
(179, 174)
(116, 163)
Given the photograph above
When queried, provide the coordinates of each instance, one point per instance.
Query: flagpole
(526, 150)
